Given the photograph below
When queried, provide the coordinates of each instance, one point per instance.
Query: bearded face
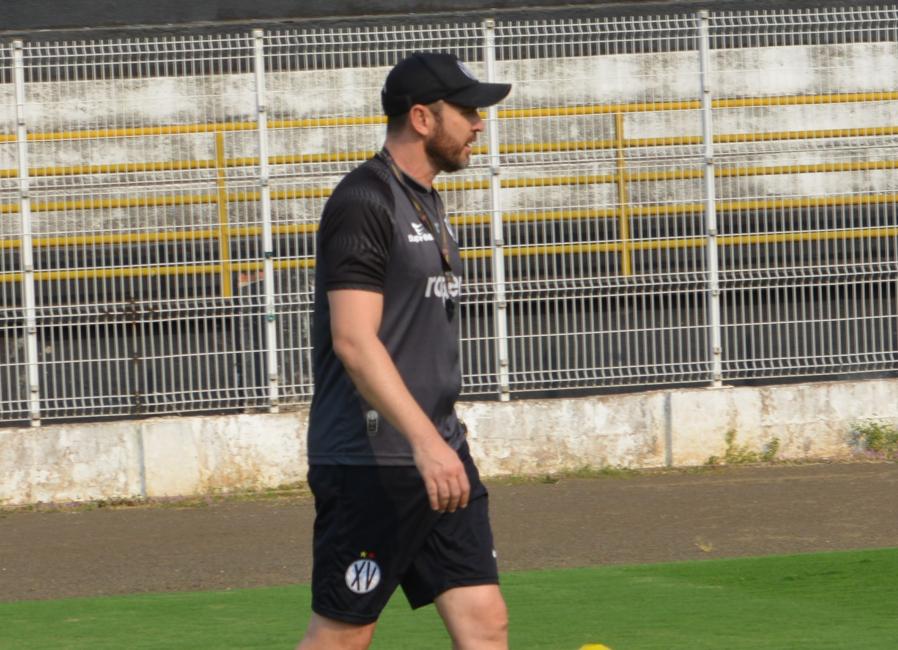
(448, 153)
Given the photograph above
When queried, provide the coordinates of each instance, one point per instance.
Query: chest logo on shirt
(421, 234)
(437, 287)
(363, 576)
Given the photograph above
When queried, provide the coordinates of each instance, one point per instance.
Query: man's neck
(411, 158)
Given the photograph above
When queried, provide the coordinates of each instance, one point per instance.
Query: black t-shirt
(371, 238)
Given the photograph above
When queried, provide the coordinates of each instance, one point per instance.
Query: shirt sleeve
(354, 245)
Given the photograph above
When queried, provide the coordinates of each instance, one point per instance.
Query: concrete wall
(74, 18)
(198, 455)
(611, 79)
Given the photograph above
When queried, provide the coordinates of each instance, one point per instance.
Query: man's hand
(444, 475)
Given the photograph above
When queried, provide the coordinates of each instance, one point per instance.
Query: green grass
(821, 601)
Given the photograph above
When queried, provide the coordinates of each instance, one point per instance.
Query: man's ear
(421, 119)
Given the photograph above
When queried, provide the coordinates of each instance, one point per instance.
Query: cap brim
(479, 95)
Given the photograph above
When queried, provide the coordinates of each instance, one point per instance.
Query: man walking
(398, 498)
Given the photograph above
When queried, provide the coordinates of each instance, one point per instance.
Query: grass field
(820, 601)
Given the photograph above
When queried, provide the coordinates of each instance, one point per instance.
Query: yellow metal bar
(224, 240)
(547, 215)
(467, 220)
(100, 204)
(189, 129)
(551, 147)
(156, 237)
(305, 159)
(284, 229)
(155, 201)
(454, 186)
(477, 253)
(803, 100)
(598, 109)
(317, 122)
(652, 107)
(623, 200)
(281, 195)
(680, 174)
(534, 147)
(738, 172)
(852, 166)
(123, 168)
(554, 181)
(155, 271)
(825, 235)
(559, 249)
(817, 134)
(816, 202)
(168, 129)
(691, 242)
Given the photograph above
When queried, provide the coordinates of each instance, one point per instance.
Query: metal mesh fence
(13, 394)
(598, 292)
(807, 188)
(661, 200)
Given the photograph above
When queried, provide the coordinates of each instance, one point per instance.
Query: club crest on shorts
(363, 576)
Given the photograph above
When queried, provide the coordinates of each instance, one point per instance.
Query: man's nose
(477, 123)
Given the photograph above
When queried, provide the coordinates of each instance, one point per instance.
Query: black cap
(426, 77)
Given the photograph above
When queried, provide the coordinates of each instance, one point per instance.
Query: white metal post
(500, 313)
(710, 206)
(271, 333)
(26, 249)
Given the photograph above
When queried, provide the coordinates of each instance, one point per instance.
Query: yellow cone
(594, 646)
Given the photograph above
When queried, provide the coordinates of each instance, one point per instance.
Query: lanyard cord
(443, 242)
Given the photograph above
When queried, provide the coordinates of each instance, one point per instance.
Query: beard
(446, 154)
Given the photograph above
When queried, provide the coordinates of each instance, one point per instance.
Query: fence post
(26, 249)
(623, 200)
(500, 313)
(710, 205)
(224, 229)
(271, 334)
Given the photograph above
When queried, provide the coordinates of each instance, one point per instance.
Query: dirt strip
(635, 518)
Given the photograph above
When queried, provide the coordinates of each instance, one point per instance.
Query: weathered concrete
(609, 79)
(129, 16)
(197, 455)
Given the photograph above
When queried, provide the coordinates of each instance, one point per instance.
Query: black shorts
(374, 531)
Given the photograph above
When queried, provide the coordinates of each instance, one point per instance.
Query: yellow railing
(621, 177)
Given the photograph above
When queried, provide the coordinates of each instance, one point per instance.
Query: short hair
(395, 123)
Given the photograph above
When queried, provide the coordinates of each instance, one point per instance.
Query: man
(398, 499)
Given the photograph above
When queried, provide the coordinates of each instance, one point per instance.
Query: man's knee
(493, 619)
(326, 634)
(476, 617)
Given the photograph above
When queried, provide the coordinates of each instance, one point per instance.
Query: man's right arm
(355, 321)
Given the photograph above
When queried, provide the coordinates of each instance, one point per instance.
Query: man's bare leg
(476, 617)
(328, 634)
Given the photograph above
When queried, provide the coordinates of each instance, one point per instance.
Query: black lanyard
(443, 243)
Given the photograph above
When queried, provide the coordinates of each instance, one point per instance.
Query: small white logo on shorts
(363, 575)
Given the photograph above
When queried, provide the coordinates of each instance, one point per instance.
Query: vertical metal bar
(224, 240)
(500, 311)
(710, 206)
(622, 196)
(271, 333)
(27, 247)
